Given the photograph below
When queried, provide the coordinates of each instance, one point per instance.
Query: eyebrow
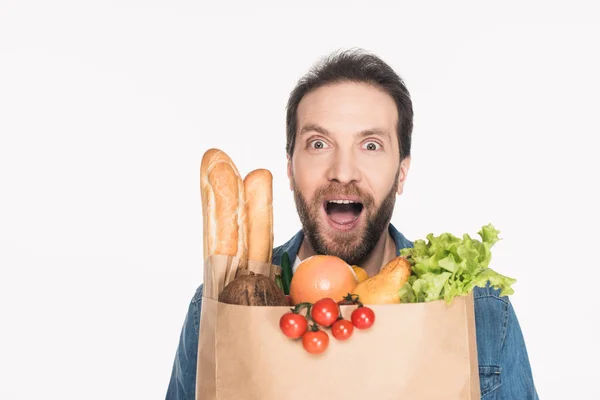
(367, 132)
(314, 128)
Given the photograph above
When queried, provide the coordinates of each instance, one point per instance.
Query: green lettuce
(446, 266)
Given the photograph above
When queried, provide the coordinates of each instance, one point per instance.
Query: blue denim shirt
(504, 369)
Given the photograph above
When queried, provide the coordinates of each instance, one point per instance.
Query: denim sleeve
(517, 378)
(182, 385)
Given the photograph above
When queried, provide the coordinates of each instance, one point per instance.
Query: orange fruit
(322, 276)
(361, 274)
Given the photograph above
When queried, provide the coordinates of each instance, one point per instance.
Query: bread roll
(223, 207)
(258, 186)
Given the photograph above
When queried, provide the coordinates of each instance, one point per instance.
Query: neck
(382, 253)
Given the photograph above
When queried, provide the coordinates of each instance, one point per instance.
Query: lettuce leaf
(446, 266)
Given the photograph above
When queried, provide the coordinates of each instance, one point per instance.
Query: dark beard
(352, 247)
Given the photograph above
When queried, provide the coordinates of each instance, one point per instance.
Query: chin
(340, 244)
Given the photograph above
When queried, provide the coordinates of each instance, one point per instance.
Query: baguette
(223, 207)
(258, 187)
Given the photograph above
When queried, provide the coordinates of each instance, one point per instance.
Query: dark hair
(354, 65)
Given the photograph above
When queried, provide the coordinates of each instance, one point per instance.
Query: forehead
(348, 107)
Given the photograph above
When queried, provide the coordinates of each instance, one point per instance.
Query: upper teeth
(342, 201)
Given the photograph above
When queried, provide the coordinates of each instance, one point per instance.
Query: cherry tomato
(315, 342)
(325, 312)
(293, 325)
(342, 329)
(363, 317)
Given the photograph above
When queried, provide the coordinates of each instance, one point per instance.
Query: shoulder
(489, 292)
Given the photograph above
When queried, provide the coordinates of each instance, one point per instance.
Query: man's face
(345, 170)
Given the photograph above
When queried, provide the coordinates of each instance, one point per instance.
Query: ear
(404, 167)
(289, 171)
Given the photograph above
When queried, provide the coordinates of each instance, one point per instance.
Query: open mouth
(343, 211)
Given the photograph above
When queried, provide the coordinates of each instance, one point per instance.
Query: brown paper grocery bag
(413, 351)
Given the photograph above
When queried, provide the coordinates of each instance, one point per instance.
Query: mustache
(351, 189)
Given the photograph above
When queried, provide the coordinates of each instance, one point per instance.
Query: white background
(107, 107)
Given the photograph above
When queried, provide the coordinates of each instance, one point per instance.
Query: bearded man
(349, 124)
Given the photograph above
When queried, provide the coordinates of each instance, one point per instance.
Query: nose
(343, 168)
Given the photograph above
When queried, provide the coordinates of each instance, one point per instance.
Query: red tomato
(325, 312)
(342, 329)
(315, 342)
(363, 317)
(293, 325)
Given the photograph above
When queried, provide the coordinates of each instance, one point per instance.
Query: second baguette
(258, 187)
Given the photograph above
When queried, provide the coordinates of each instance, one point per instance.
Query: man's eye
(372, 146)
(317, 144)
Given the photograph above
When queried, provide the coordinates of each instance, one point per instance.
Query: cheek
(380, 178)
(308, 176)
